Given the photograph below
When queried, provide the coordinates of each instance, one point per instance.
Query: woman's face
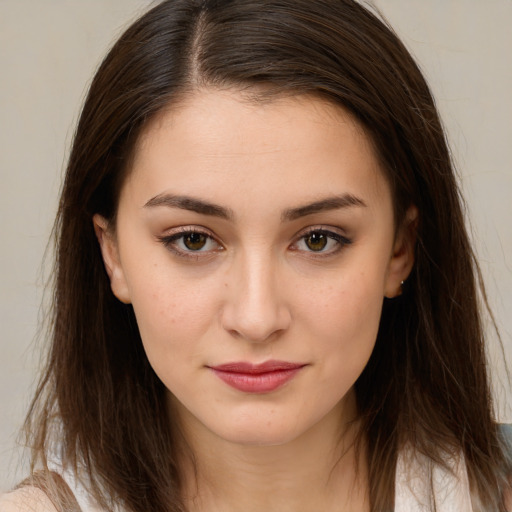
(256, 243)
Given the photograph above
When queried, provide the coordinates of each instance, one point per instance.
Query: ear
(402, 259)
(109, 251)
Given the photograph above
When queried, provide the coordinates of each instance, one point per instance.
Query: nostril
(253, 307)
(256, 326)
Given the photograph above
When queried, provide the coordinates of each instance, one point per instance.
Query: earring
(398, 292)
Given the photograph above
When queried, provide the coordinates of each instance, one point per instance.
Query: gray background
(48, 52)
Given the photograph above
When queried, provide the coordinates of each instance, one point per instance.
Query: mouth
(257, 378)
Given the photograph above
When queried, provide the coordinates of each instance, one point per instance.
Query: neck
(320, 470)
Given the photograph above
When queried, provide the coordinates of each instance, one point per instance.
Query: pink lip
(257, 378)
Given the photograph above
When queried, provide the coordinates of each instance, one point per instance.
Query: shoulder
(26, 499)
(505, 434)
(505, 439)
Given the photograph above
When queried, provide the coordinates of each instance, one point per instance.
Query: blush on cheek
(355, 316)
(356, 301)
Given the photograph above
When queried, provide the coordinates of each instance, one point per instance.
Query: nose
(255, 309)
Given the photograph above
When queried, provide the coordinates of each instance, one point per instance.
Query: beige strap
(57, 490)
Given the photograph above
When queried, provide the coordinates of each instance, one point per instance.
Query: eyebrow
(323, 205)
(206, 208)
(191, 204)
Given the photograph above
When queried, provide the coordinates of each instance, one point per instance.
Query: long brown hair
(426, 383)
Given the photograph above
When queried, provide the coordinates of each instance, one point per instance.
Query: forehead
(224, 144)
(252, 122)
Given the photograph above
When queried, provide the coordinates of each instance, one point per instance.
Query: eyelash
(169, 241)
(340, 240)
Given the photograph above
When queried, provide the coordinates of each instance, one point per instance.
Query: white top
(78, 488)
(412, 493)
(450, 489)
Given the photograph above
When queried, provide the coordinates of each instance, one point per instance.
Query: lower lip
(257, 383)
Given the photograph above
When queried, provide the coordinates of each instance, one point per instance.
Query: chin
(260, 438)
(264, 429)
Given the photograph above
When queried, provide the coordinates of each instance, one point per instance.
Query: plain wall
(49, 50)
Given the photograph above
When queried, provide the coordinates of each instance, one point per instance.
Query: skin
(26, 499)
(259, 289)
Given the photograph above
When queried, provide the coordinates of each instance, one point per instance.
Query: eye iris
(316, 241)
(195, 241)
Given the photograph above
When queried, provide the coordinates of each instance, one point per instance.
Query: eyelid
(177, 233)
(342, 240)
(334, 233)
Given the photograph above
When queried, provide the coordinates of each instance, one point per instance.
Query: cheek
(173, 314)
(344, 322)
(346, 306)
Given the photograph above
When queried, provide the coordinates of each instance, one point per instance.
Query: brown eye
(316, 241)
(321, 241)
(192, 244)
(195, 241)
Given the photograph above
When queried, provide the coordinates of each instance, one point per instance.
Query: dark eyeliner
(168, 242)
(340, 239)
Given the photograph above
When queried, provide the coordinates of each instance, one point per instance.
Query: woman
(265, 296)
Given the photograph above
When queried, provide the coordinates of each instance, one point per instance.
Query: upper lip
(255, 369)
